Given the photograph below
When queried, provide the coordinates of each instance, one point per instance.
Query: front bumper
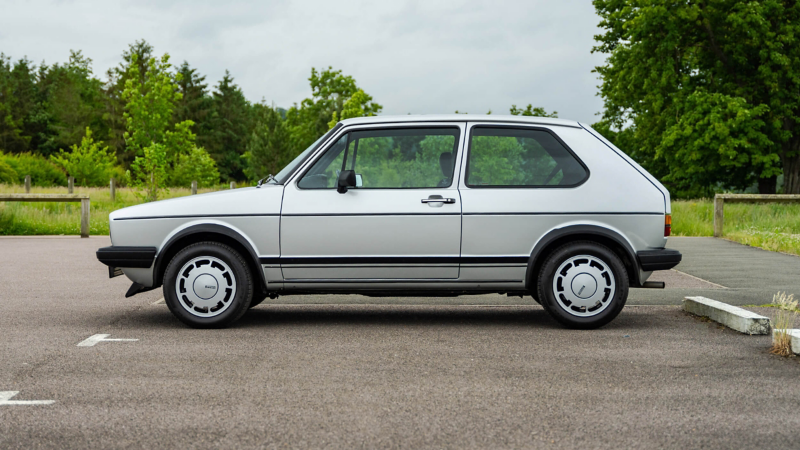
(660, 259)
(127, 257)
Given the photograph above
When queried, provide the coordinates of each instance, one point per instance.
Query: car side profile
(412, 206)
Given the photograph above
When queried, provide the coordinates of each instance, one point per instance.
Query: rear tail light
(667, 225)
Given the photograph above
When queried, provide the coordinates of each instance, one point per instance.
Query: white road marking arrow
(5, 399)
(92, 340)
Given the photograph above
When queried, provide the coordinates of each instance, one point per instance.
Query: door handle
(438, 200)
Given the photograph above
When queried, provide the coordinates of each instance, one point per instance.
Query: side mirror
(347, 179)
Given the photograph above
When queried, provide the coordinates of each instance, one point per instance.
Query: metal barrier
(84, 199)
(721, 199)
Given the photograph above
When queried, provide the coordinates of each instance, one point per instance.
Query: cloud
(411, 56)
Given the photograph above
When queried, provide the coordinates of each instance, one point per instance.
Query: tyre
(583, 285)
(208, 285)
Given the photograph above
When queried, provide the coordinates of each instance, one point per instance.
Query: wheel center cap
(584, 285)
(205, 286)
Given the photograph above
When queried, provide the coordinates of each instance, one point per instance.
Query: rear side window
(514, 157)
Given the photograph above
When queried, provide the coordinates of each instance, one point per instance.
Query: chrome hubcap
(205, 286)
(584, 285)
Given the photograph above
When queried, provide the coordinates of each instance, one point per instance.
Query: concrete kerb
(795, 339)
(732, 317)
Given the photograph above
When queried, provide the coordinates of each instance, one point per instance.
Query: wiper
(266, 179)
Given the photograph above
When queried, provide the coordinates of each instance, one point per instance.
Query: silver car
(412, 206)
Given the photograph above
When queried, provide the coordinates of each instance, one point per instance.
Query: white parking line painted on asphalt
(159, 302)
(92, 340)
(5, 400)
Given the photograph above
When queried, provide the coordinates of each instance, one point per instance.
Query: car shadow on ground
(397, 315)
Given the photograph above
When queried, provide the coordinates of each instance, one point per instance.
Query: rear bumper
(127, 257)
(660, 259)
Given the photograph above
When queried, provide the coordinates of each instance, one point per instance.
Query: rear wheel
(583, 285)
(208, 285)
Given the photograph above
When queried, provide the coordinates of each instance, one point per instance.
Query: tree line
(704, 94)
(152, 124)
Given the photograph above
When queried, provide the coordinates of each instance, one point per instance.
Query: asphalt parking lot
(481, 371)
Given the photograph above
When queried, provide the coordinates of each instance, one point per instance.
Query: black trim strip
(197, 216)
(476, 266)
(424, 260)
(374, 266)
(395, 281)
(494, 259)
(371, 214)
(634, 213)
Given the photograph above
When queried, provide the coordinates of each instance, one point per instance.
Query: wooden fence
(721, 199)
(84, 199)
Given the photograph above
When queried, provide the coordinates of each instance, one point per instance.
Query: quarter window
(389, 159)
(509, 157)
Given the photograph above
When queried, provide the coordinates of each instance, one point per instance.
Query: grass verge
(46, 218)
(771, 226)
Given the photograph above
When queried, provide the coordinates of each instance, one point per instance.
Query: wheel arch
(208, 232)
(560, 236)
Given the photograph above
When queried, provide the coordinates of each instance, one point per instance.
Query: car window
(507, 157)
(389, 159)
(287, 171)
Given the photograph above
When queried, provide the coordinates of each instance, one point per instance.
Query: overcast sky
(419, 57)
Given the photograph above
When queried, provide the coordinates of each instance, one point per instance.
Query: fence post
(27, 184)
(84, 217)
(233, 185)
(70, 184)
(113, 187)
(719, 205)
(194, 187)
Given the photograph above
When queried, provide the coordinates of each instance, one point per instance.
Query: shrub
(7, 174)
(90, 163)
(42, 171)
(121, 176)
(195, 166)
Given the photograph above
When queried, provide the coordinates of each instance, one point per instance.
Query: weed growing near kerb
(784, 321)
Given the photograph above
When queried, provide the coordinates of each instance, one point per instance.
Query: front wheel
(208, 285)
(583, 285)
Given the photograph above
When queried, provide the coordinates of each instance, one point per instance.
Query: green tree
(148, 115)
(196, 165)
(709, 89)
(71, 100)
(18, 104)
(7, 174)
(114, 103)
(195, 103)
(530, 110)
(268, 149)
(330, 90)
(231, 124)
(90, 163)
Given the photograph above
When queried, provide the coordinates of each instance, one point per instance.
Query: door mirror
(347, 179)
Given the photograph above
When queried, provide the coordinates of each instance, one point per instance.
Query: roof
(462, 118)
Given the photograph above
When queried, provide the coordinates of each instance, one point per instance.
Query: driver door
(402, 220)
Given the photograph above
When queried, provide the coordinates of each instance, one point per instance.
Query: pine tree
(230, 124)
